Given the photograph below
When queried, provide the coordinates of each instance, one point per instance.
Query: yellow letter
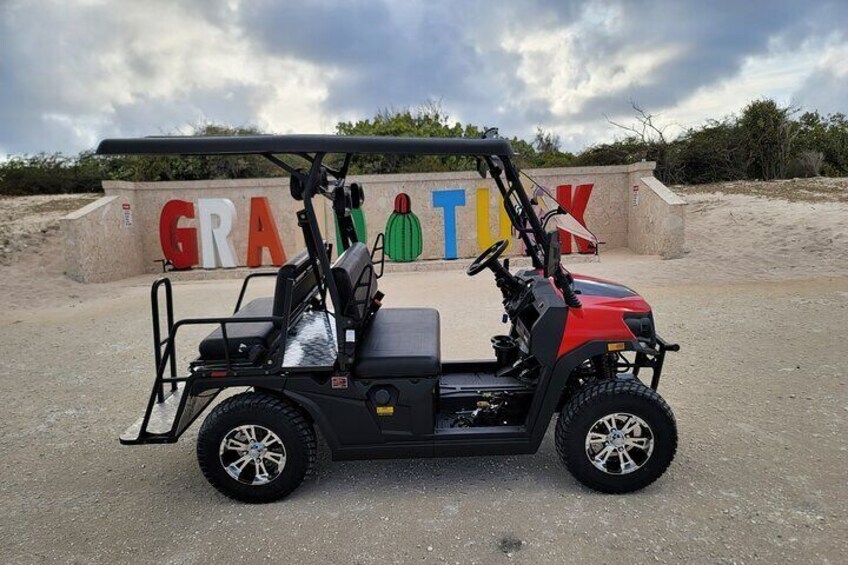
(484, 236)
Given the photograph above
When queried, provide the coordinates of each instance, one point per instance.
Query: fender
(555, 381)
(276, 386)
(317, 415)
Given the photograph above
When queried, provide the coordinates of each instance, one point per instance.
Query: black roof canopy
(276, 144)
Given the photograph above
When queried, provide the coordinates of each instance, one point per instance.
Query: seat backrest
(353, 273)
(304, 285)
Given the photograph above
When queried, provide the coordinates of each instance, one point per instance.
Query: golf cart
(325, 353)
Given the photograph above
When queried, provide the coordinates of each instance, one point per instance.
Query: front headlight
(642, 326)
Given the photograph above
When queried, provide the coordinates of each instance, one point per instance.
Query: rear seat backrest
(299, 269)
(347, 272)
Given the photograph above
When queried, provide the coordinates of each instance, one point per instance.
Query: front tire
(616, 436)
(256, 448)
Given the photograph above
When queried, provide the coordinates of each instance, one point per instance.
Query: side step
(161, 423)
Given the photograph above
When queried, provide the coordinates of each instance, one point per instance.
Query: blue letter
(449, 200)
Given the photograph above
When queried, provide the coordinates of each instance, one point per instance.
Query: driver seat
(393, 342)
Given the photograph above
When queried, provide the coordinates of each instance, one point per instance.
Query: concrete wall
(150, 197)
(657, 219)
(606, 214)
(101, 247)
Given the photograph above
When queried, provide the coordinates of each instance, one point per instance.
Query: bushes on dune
(765, 141)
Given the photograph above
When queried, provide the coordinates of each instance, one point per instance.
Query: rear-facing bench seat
(245, 337)
(242, 337)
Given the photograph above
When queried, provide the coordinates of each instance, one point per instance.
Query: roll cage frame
(318, 178)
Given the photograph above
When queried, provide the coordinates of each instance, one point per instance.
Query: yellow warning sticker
(385, 410)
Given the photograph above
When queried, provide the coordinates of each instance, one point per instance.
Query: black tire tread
(258, 402)
(594, 393)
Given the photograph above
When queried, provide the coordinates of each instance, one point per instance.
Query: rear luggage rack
(175, 402)
(169, 409)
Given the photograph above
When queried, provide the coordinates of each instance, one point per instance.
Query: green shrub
(765, 141)
(49, 174)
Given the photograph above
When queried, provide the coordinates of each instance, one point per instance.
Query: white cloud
(71, 74)
(777, 74)
(83, 68)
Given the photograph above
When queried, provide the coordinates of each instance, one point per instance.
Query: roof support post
(516, 191)
(321, 251)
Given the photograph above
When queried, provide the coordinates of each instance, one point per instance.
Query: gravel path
(758, 389)
(758, 304)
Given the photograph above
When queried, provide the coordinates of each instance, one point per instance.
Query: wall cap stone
(89, 208)
(671, 198)
(112, 185)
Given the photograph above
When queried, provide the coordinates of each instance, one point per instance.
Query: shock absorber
(604, 366)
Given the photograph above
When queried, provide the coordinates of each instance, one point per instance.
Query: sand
(26, 222)
(758, 389)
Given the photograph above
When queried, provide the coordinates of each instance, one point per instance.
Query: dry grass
(26, 220)
(821, 189)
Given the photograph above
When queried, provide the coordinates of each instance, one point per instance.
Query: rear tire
(256, 448)
(616, 436)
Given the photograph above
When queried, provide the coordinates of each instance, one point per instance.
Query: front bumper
(654, 359)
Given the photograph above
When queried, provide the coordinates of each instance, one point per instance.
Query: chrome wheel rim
(252, 455)
(619, 443)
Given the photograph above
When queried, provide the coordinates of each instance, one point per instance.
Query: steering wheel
(488, 257)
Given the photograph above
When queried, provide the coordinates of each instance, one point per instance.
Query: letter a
(262, 234)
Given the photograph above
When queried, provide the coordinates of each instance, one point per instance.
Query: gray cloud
(70, 75)
(398, 56)
(825, 91)
(716, 39)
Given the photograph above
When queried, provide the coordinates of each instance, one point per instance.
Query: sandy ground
(819, 189)
(759, 305)
(26, 222)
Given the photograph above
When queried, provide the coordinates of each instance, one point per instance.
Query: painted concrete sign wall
(209, 245)
(252, 222)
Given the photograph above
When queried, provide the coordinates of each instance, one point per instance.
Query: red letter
(263, 233)
(178, 244)
(576, 207)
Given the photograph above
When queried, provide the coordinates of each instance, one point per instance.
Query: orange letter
(178, 244)
(263, 233)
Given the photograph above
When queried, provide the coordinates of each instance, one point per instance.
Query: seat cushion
(400, 342)
(249, 335)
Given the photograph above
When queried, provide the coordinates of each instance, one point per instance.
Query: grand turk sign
(445, 218)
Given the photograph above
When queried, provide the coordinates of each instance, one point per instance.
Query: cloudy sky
(74, 72)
